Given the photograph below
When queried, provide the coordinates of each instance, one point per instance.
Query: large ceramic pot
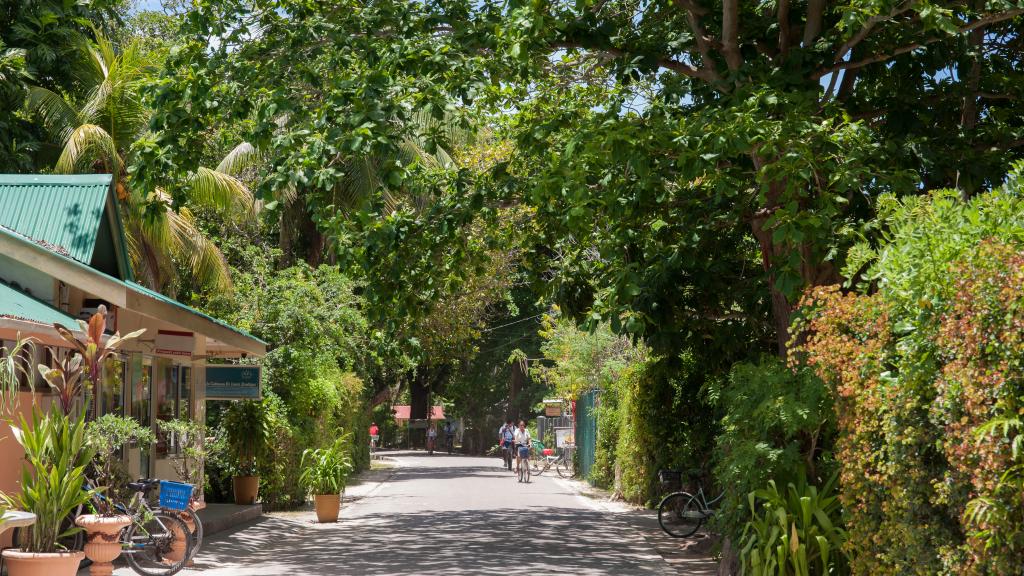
(31, 564)
(102, 542)
(246, 489)
(328, 506)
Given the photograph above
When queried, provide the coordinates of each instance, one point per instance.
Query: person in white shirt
(431, 438)
(522, 441)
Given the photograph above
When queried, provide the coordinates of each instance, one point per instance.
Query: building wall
(38, 284)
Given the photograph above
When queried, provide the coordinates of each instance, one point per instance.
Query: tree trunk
(813, 270)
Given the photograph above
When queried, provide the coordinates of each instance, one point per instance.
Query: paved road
(443, 515)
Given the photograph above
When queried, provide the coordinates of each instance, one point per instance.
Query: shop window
(173, 389)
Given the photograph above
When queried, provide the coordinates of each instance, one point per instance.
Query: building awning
(402, 412)
(18, 306)
(128, 295)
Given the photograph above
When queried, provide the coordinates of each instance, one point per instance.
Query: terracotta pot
(30, 564)
(102, 542)
(246, 489)
(328, 506)
(179, 546)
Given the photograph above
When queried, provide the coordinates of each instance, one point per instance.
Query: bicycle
(148, 542)
(681, 514)
(524, 465)
(544, 461)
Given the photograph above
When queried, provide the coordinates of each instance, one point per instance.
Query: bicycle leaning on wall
(681, 514)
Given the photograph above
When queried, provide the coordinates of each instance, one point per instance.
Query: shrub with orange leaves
(926, 362)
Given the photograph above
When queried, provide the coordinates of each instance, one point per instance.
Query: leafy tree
(105, 122)
(39, 43)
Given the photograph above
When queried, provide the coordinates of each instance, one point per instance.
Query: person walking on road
(522, 442)
(506, 437)
(431, 439)
(374, 436)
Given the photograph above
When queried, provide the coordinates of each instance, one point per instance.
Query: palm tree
(96, 132)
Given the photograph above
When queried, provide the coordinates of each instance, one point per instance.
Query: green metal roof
(61, 212)
(158, 296)
(21, 306)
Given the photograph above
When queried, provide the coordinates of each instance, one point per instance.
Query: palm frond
(240, 158)
(204, 259)
(88, 142)
(221, 192)
(59, 118)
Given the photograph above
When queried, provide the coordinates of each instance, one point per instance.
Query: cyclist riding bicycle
(506, 438)
(522, 443)
(449, 435)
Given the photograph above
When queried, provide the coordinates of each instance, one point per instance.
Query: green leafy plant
(997, 519)
(248, 427)
(14, 369)
(794, 533)
(56, 455)
(195, 448)
(326, 470)
(108, 435)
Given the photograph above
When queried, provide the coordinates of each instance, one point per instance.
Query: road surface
(444, 514)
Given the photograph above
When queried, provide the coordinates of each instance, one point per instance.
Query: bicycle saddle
(142, 484)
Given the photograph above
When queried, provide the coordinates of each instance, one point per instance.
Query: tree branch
(815, 13)
(784, 31)
(664, 62)
(868, 26)
(981, 23)
(730, 34)
(702, 39)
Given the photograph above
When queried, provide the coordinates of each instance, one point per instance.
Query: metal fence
(546, 428)
(586, 431)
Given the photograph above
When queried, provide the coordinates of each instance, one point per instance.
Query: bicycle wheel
(196, 541)
(159, 546)
(526, 471)
(564, 467)
(536, 467)
(679, 515)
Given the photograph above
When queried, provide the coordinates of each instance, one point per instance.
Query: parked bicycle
(542, 459)
(681, 514)
(158, 541)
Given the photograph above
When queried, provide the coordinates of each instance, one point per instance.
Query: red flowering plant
(85, 366)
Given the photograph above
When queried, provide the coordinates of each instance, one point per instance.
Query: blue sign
(233, 382)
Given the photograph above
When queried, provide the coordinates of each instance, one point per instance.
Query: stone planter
(179, 546)
(31, 564)
(246, 489)
(102, 541)
(328, 506)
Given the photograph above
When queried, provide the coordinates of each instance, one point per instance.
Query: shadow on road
(531, 540)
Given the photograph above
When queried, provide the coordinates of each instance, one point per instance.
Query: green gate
(586, 431)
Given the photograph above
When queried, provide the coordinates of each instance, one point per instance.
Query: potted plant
(52, 479)
(194, 448)
(324, 473)
(107, 435)
(247, 426)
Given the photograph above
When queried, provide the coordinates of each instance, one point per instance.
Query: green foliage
(108, 435)
(194, 445)
(326, 470)
(794, 533)
(52, 476)
(249, 432)
(778, 424)
(918, 368)
(15, 368)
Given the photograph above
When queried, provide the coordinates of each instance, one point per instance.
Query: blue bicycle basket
(174, 495)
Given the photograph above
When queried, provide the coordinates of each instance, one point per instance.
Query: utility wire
(511, 323)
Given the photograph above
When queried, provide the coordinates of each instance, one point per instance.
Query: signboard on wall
(553, 407)
(233, 382)
(174, 343)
